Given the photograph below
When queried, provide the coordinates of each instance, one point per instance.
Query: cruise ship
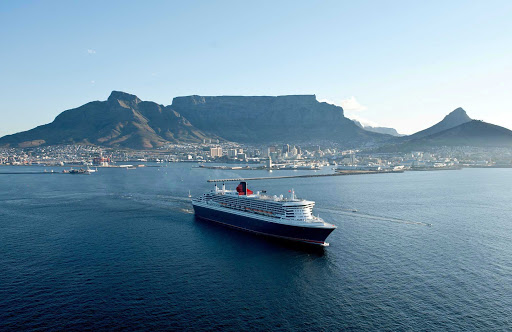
(282, 217)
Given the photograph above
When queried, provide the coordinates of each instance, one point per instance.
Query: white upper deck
(292, 200)
(284, 208)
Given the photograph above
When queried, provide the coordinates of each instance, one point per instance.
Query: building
(216, 152)
(232, 153)
(101, 161)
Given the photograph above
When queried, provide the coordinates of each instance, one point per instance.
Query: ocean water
(121, 249)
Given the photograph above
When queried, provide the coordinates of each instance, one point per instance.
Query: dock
(340, 173)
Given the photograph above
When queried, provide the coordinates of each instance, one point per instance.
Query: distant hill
(265, 119)
(456, 129)
(380, 130)
(121, 121)
(453, 119)
(472, 133)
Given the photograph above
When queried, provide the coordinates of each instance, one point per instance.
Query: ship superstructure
(285, 217)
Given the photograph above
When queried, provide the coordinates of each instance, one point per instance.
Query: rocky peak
(453, 119)
(458, 115)
(123, 98)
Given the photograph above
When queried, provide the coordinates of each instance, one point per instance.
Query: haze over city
(402, 64)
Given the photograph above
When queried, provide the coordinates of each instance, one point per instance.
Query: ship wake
(354, 213)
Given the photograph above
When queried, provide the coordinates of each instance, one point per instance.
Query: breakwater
(341, 173)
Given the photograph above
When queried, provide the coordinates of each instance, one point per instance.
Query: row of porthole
(242, 209)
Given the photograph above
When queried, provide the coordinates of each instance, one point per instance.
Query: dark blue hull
(295, 233)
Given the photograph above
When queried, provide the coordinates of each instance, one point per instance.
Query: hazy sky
(403, 64)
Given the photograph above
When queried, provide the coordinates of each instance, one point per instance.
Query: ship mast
(292, 195)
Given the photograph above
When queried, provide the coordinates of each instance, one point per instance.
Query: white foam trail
(177, 198)
(175, 203)
(369, 216)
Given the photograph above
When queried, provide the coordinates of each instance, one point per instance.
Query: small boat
(189, 195)
(77, 171)
(92, 170)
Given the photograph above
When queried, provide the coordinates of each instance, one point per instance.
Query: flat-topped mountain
(122, 121)
(453, 119)
(261, 119)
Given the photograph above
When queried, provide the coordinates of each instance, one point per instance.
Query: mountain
(265, 119)
(456, 129)
(121, 121)
(125, 121)
(380, 130)
(472, 133)
(453, 119)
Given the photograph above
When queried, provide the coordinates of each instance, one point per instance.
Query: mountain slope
(453, 119)
(265, 119)
(473, 133)
(380, 130)
(123, 121)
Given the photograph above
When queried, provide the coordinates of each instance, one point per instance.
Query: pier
(341, 173)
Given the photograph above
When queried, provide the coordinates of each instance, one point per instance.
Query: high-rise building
(216, 152)
(286, 148)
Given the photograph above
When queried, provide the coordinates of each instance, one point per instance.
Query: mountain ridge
(451, 120)
(380, 130)
(456, 129)
(473, 133)
(123, 120)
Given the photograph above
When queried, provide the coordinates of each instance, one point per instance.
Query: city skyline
(401, 65)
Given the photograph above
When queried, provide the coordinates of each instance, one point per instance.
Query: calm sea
(121, 249)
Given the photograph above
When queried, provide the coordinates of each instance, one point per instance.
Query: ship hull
(311, 235)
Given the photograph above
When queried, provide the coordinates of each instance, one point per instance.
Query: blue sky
(403, 64)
